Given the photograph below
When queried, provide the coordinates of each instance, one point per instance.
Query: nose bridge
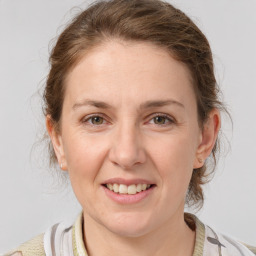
(127, 149)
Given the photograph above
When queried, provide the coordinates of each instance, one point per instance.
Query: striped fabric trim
(78, 241)
(53, 234)
(58, 240)
(251, 248)
(200, 235)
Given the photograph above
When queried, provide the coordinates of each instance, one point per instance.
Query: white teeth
(144, 187)
(130, 190)
(116, 188)
(138, 188)
(110, 186)
(123, 189)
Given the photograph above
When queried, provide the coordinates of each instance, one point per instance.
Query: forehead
(127, 71)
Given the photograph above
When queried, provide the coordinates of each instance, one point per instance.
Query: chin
(128, 225)
(129, 231)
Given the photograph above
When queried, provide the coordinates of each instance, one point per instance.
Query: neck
(172, 238)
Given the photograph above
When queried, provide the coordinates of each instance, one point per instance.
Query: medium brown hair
(152, 21)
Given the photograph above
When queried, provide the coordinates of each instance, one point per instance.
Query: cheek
(175, 151)
(84, 156)
(174, 158)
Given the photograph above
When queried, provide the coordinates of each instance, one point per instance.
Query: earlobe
(209, 136)
(56, 140)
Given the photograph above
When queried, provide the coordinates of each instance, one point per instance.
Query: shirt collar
(192, 220)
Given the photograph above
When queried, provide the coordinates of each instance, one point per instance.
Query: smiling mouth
(132, 189)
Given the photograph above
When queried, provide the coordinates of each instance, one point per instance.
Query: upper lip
(127, 181)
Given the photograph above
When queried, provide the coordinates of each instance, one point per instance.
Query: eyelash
(168, 118)
(88, 118)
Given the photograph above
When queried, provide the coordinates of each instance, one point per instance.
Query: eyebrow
(145, 105)
(160, 103)
(94, 103)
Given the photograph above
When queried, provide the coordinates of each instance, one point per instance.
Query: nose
(127, 149)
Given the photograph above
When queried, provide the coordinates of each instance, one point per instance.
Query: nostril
(126, 153)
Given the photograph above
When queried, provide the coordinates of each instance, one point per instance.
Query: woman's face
(130, 119)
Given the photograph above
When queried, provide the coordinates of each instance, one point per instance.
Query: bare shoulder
(32, 247)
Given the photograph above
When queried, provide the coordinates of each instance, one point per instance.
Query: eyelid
(85, 119)
(168, 117)
(88, 117)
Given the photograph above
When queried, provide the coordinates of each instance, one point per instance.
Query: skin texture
(129, 142)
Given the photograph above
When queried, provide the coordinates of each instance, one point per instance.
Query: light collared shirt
(65, 240)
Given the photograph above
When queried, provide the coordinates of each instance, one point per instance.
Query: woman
(132, 109)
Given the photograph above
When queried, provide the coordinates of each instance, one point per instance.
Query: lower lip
(128, 199)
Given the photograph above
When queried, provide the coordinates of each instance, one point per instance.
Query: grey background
(30, 201)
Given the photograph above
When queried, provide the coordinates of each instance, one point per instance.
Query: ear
(56, 142)
(208, 137)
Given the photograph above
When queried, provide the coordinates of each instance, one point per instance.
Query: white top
(58, 241)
